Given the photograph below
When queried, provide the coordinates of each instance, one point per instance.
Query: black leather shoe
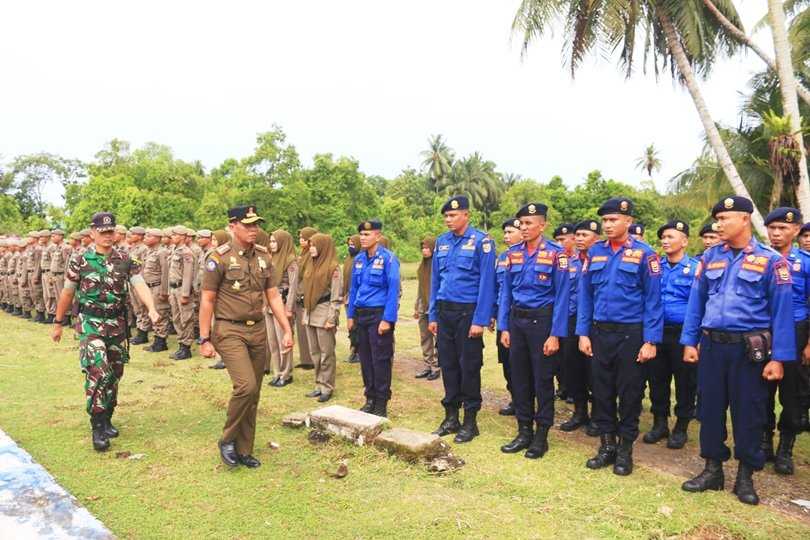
(606, 455)
(183, 353)
(218, 365)
(435, 374)
(274, 382)
(711, 478)
(624, 458)
(49, 319)
(521, 441)
(450, 424)
(659, 431)
(227, 451)
(109, 430)
(353, 358)
(783, 463)
(314, 393)
(423, 374)
(767, 445)
(140, 339)
(324, 397)
(368, 406)
(100, 440)
(158, 345)
(591, 430)
(744, 485)
(508, 410)
(679, 436)
(281, 383)
(249, 461)
(305, 366)
(380, 408)
(469, 429)
(40, 318)
(578, 419)
(539, 445)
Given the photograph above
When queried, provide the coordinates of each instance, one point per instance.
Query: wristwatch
(58, 322)
(204, 340)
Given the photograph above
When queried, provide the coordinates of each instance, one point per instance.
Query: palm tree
(649, 161)
(678, 35)
(437, 161)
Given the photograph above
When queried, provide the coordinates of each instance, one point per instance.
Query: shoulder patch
(486, 246)
(260, 248)
(224, 248)
(782, 273)
(699, 269)
(655, 264)
(211, 265)
(562, 261)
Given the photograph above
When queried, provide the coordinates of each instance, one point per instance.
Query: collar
(540, 247)
(240, 248)
(627, 243)
(794, 253)
(747, 249)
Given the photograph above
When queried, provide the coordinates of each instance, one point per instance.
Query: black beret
(637, 228)
(589, 225)
(103, 221)
(785, 214)
(511, 222)
(676, 224)
(459, 202)
(805, 228)
(616, 205)
(532, 209)
(370, 225)
(565, 228)
(244, 214)
(733, 204)
(709, 228)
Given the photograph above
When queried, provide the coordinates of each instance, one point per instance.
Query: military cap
(103, 221)
(532, 209)
(22, 243)
(709, 228)
(733, 204)
(784, 214)
(33, 234)
(2, 242)
(511, 222)
(244, 214)
(458, 202)
(676, 224)
(204, 233)
(565, 228)
(589, 225)
(137, 230)
(370, 225)
(58, 232)
(805, 228)
(616, 205)
(75, 236)
(637, 229)
(84, 232)
(120, 229)
(44, 233)
(155, 232)
(181, 230)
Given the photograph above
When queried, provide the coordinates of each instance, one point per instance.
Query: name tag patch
(599, 258)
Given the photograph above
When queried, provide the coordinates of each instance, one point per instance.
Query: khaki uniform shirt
(45, 257)
(60, 257)
(240, 276)
(328, 312)
(156, 268)
(181, 270)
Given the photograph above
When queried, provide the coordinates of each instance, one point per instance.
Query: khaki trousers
(281, 364)
(36, 295)
(57, 284)
(141, 313)
(304, 354)
(322, 347)
(428, 342)
(182, 317)
(47, 301)
(164, 309)
(244, 352)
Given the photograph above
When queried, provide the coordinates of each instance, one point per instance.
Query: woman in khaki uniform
(322, 286)
(420, 312)
(285, 277)
(353, 244)
(304, 259)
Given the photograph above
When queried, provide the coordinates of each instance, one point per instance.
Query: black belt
(369, 310)
(112, 313)
(718, 336)
(325, 298)
(57, 273)
(156, 284)
(175, 285)
(673, 328)
(616, 327)
(522, 313)
(454, 306)
(244, 323)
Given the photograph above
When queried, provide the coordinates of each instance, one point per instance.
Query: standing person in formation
(427, 340)
(27, 284)
(564, 235)
(137, 251)
(373, 305)
(461, 298)
(181, 282)
(156, 275)
(677, 275)
(353, 245)
(511, 237)
(220, 237)
(87, 239)
(285, 278)
(637, 231)
(804, 237)
(13, 272)
(35, 271)
(60, 255)
(193, 243)
(99, 279)
(322, 285)
(740, 312)
(709, 236)
(204, 248)
(619, 323)
(236, 288)
(532, 317)
(783, 227)
(305, 360)
(45, 275)
(4, 257)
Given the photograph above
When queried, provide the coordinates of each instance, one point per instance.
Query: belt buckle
(250, 323)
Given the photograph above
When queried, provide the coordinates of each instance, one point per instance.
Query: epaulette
(224, 248)
(259, 248)
(553, 243)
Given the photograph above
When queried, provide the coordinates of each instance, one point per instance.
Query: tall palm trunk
(713, 134)
(790, 105)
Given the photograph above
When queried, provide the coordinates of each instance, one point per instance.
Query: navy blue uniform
(503, 352)
(533, 305)
(577, 366)
(462, 294)
(374, 297)
(736, 293)
(619, 308)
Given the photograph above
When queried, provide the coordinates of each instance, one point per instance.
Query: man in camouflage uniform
(156, 275)
(137, 251)
(99, 278)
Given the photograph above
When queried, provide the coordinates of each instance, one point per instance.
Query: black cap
(511, 222)
(244, 214)
(805, 228)
(589, 225)
(532, 209)
(709, 228)
(616, 205)
(784, 214)
(103, 221)
(565, 228)
(370, 225)
(733, 204)
(676, 224)
(637, 229)
(459, 202)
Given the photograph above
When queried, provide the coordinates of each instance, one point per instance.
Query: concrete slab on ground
(356, 426)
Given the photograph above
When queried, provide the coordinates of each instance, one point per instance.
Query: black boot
(158, 345)
(469, 429)
(450, 424)
(522, 441)
(380, 408)
(68, 322)
(679, 436)
(804, 420)
(606, 455)
(368, 406)
(660, 430)
(100, 440)
(141, 338)
(40, 318)
(539, 445)
(767, 445)
(711, 478)
(578, 419)
(508, 410)
(624, 458)
(26, 314)
(744, 485)
(784, 453)
(183, 353)
(109, 430)
(49, 319)
(591, 430)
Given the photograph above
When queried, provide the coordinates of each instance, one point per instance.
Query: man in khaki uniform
(236, 287)
(4, 252)
(60, 255)
(197, 252)
(181, 281)
(27, 274)
(46, 248)
(120, 239)
(13, 274)
(156, 275)
(35, 274)
(137, 252)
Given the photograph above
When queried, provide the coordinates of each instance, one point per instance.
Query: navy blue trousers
(790, 390)
(503, 360)
(376, 353)
(667, 365)
(460, 358)
(577, 366)
(532, 371)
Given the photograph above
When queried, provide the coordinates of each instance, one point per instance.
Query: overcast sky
(369, 79)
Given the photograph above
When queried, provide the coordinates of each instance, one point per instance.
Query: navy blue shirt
(500, 272)
(375, 283)
(676, 284)
(800, 270)
(574, 271)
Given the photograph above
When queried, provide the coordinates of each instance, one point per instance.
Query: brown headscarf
(385, 242)
(304, 260)
(221, 236)
(318, 274)
(262, 238)
(348, 263)
(282, 258)
(425, 270)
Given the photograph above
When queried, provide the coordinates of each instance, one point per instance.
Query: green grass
(173, 413)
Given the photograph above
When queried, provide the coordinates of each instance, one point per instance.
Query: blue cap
(637, 229)
(458, 202)
(784, 214)
(589, 225)
(565, 228)
(675, 224)
(511, 222)
(733, 204)
(616, 205)
(709, 228)
(370, 225)
(532, 209)
(805, 228)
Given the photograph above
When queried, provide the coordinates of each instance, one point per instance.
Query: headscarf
(282, 258)
(348, 262)
(262, 238)
(304, 259)
(424, 270)
(318, 274)
(385, 242)
(221, 236)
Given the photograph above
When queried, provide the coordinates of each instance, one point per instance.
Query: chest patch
(717, 265)
(599, 258)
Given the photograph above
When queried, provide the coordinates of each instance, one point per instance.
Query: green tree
(650, 161)
(437, 161)
(30, 175)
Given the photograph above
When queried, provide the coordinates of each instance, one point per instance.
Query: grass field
(173, 413)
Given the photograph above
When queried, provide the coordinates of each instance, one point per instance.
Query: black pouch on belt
(758, 346)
